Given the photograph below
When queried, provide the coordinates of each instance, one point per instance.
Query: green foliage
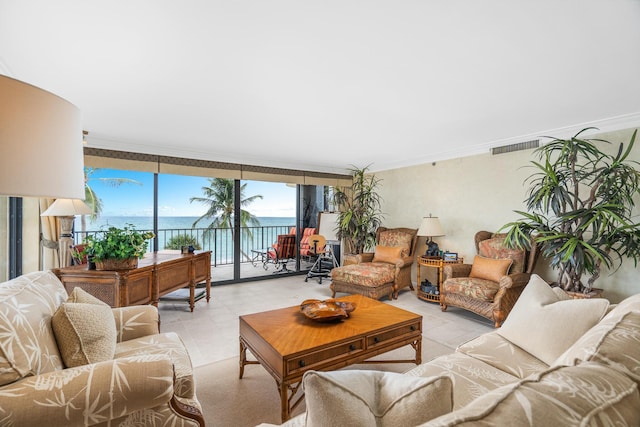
(360, 211)
(177, 242)
(580, 204)
(118, 243)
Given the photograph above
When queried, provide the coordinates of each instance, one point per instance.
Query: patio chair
(284, 251)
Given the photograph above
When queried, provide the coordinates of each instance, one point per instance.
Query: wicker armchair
(379, 273)
(466, 286)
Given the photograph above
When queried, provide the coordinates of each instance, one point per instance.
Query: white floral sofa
(554, 362)
(71, 360)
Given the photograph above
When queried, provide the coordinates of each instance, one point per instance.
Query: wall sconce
(430, 227)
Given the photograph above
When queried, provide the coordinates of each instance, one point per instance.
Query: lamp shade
(67, 207)
(430, 227)
(40, 143)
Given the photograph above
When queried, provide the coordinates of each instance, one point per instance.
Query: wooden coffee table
(287, 344)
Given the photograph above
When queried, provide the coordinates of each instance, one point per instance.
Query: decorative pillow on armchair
(389, 254)
(357, 398)
(396, 238)
(489, 269)
(85, 331)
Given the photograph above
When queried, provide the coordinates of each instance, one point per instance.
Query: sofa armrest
(136, 321)
(89, 394)
(456, 270)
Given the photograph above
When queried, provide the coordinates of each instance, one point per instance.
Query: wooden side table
(438, 263)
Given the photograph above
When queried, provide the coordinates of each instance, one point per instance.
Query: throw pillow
(546, 325)
(372, 398)
(390, 254)
(80, 295)
(85, 331)
(489, 269)
(396, 238)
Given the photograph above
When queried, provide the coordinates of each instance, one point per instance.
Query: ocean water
(220, 242)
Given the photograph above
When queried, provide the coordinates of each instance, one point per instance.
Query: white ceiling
(329, 84)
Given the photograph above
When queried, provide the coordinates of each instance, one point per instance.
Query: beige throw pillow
(546, 325)
(85, 331)
(489, 268)
(357, 398)
(389, 254)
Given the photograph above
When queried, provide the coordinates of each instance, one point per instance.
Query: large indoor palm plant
(360, 211)
(580, 205)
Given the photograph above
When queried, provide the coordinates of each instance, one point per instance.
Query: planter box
(117, 264)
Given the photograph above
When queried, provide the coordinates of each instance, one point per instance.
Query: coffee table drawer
(392, 334)
(313, 359)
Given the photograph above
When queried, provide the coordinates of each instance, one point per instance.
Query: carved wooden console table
(158, 274)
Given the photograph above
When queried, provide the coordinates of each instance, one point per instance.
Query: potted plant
(118, 248)
(360, 214)
(579, 204)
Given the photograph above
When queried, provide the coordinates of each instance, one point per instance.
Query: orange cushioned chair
(492, 284)
(383, 272)
(285, 250)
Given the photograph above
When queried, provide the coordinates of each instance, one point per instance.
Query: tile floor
(211, 331)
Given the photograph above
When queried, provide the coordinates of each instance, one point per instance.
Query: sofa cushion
(586, 395)
(546, 325)
(27, 344)
(85, 331)
(390, 254)
(472, 287)
(495, 350)
(494, 248)
(396, 238)
(615, 341)
(489, 268)
(373, 398)
(471, 377)
(365, 274)
(170, 344)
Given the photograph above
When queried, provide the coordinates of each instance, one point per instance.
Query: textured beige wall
(480, 193)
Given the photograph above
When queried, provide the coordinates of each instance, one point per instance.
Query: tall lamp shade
(40, 143)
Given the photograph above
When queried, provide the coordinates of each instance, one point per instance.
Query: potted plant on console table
(580, 205)
(118, 248)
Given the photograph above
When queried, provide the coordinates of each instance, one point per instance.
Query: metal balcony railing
(217, 240)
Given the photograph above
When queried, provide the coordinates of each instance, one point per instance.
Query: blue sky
(174, 192)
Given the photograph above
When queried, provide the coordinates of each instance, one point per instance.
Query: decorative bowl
(327, 310)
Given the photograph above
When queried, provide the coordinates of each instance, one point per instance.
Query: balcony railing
(217, 240)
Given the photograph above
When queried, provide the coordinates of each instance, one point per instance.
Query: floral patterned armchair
(492, 284)
(147, 381)
(383, 272)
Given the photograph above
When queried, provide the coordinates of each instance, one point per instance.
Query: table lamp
(430, 227)
(66, 210)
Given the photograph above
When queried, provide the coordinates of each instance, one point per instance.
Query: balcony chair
(492, 284)
(383, 272)
(284, 251)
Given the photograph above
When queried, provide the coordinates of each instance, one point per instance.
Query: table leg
(417, 346)
(192, 295)
(243, 357)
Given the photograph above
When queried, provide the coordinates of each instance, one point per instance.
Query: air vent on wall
(519, 146)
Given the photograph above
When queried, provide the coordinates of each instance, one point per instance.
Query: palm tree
(92, 199)
(219, 199)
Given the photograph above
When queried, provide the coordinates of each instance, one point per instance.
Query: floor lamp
(66, 210)
(40, 146)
